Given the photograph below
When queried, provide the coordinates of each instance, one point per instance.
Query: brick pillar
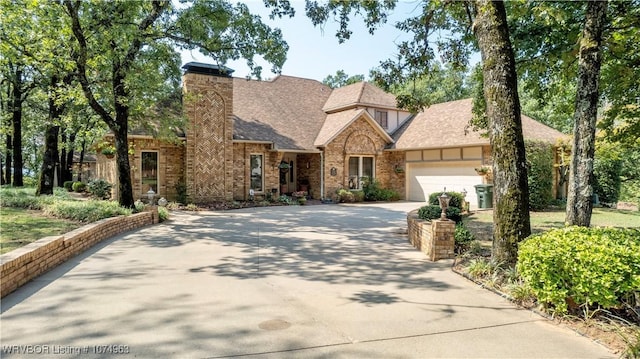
(442, 239)
(209, 146)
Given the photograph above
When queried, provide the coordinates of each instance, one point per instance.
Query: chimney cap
(207, 69)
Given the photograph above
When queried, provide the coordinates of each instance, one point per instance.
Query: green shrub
(462, 237)
(373, 191)
(163, 214)
(539, 174)
(358, 196)
(181, 192)
(431, 212)
(68, 185)
(579, 266)
(345, 196)
(85, 211)
(607, 168)
(456, 199)
(100, 188)
(78, 187)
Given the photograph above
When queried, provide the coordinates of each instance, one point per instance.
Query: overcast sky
(315, 52)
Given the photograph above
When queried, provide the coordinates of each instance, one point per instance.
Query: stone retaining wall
(435, 239)
(25, 263)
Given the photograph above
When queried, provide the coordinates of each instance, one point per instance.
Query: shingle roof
(445, 125)
(336, 122)
(286, 111)
(361, 93)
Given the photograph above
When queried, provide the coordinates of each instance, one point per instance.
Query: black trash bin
(485, 195)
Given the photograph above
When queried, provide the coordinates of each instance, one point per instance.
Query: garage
(425, 178)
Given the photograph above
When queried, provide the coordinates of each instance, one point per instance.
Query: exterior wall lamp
(444, 204)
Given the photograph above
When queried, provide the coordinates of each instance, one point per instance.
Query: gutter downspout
(322, 175)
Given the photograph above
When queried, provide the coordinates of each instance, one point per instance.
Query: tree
(126, 61)
(579, 198)
(470, 23)
(341, 79)
(442, 84)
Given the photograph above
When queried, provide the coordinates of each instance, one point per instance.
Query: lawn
(19, 227)
(480, 222)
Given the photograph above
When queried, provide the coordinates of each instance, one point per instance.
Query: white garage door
(429, 177)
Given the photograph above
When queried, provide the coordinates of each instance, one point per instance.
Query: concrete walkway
(328, 281)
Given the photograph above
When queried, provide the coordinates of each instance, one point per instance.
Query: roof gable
(337, 122)
(446, 125)
(359, 94)
(286, 111)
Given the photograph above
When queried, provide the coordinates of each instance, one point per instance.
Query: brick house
(292, 134)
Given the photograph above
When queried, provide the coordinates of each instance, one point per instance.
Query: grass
(25, 217)
(19, 227)
(480, 222)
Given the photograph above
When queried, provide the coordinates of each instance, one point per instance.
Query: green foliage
(607, 170)
(163, 214)
(462, 237)
(578, 266)
(100, 188)
(181, 192)
(86, 211)
(341, 79)
(347, 196)
(540, 174)
(22, 198)
(68, 185)
(431, 212)
(373, 192)
(456, 199)
(78, 187)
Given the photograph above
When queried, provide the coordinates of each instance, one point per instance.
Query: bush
(163, 214)
(181, 192)
(540, 174)
(431, 212)
(456, 199)
(78, 187)
(578, 266)
(345, 196)
(100, 189)
(68, 185)
(85, 211)
(607, 168)
(373, 191)
(462, 237)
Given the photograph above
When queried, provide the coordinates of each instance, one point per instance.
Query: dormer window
(381, 119)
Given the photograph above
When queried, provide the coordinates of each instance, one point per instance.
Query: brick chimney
(208, 104)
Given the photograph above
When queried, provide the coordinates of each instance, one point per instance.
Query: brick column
(442, 239)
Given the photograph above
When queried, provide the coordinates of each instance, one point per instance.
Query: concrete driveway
(327, 281)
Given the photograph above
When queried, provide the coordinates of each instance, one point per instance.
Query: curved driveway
(326, 281)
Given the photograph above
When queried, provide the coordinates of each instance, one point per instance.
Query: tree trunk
(579, 198)
(8, 157)
(47, 173)
(16, 123)
(81, 160)
(120, 131)
(68, 169)
(511, 193)
(62, 160)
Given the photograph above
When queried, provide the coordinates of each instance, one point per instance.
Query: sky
(315, 53)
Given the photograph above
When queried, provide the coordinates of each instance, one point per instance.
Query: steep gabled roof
(359, 94)
(336, 122)
(286, 111)
(446, 125)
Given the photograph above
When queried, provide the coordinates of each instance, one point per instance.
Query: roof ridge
(359, 98)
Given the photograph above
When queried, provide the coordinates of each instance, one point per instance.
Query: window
(359, 167)
(257, 173)
(149, 171)
(381, 118)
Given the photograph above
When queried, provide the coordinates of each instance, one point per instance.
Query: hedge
(583, 267)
